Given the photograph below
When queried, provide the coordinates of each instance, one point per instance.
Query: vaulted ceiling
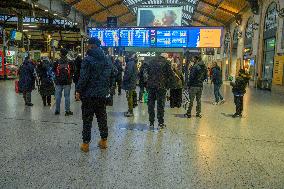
(195, 12)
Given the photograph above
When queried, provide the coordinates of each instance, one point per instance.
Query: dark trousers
(158, 95)
(46, 99)
(239, 102)
(175, 98)
(118, 84)
(91, 106)
(195, 92)
(217, 93)
(141, 92)
(27, 97)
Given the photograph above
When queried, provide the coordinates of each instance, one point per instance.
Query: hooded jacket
(198, 74)
(95, 75)
(217, 75)
(130, 75)
(239, 86)
(27, 77)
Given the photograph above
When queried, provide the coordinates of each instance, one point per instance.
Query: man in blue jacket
(129, 82)
(93, 88)
(197, 76)
(217, 81)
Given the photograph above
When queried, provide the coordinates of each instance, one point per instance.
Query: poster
(278, 70)
(164, 16)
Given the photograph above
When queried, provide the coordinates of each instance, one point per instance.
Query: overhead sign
(146, 54)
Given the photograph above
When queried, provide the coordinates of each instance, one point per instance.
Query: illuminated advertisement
(164, 16)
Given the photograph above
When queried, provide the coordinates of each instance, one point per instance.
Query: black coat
(46, 85)
(77, 68)
(27, 77)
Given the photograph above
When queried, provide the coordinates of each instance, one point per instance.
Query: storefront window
(271, 17)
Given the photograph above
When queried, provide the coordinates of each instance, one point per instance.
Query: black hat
(63, 52)
(94, 41)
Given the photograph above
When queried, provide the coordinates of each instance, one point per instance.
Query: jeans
(158, 95)
(27, 97)
(239, 104)
(91, 106)
(118, 84)
(46, 100)
(217, 93)
(195, 92)
(175, 98)
(58, 96)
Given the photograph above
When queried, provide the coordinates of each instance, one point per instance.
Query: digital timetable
(166, 37)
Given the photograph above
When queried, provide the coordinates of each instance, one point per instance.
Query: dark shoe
(29, 104)
(119, 94)
(57, 113)
(237, 115)
(68, 113)
(187, 115)
(198, 115)
(128, 114)
(49, 104)
(44, 104)
(151, 125)
(162, 125)
(85, 147)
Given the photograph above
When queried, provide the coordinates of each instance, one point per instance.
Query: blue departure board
(108, 37)
(138, 37)
(171, 38)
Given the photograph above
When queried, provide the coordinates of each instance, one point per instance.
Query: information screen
(171, 38)
(163, 37)
(108, 37)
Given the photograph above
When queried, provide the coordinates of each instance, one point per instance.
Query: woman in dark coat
(46, 85)
(27, 80)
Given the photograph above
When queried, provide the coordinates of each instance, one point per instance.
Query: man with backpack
(64, 69)
(197, 76)
(93, 88)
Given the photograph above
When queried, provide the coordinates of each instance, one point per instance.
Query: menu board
(172, 37)
(109, 38)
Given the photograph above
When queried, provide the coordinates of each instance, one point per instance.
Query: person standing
(27, 80)
(158, 76)
(46, 77)
(217, 81)
(239, 90)
(118, 79)
(142, 83)
(176, 87)
(197, 76)
(63, 80)
(129, 83)
(77, 68)
(93, 88)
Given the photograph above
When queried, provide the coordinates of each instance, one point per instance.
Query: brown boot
(85, 147)
(103, 144)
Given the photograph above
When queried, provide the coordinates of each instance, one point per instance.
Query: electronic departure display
(172, 37)
(137, 37)
(109, 38)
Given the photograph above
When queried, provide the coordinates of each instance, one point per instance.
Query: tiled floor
(39, 150)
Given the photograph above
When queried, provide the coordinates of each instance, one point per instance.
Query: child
(239, 90)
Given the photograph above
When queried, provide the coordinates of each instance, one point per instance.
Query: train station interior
(234, 140)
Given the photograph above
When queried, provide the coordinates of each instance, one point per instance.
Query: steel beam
(217, 7)
(105, 7)
(210, 16)
(75, 2)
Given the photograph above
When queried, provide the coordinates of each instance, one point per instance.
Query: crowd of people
(98, 75)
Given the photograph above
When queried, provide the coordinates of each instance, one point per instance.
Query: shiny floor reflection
(40, 150)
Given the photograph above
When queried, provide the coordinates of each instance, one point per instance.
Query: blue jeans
(58, 96)
(217, 93)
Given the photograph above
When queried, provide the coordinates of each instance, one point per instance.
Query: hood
(96, 53)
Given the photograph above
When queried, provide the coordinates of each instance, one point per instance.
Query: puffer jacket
(27, 77)
(46, 85)
(239, 86)
(95, 75)
(159, 74)
(130, 75)
(198, 74)
(217, 75)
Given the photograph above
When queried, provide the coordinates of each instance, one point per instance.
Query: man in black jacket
(197, 76)
(64, 70)
(118, 80)
(93, 88)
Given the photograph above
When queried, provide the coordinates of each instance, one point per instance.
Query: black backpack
(63, 73)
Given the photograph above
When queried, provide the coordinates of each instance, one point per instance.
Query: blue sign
(138, 37)
(171, 38)
(109, 38)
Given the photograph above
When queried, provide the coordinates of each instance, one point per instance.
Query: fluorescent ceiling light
(46, 10)
(55, 14)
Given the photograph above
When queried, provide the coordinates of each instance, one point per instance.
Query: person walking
(118, 79)
(93, 88)
(239, 90)
(64, 69)
(27, 80)
(142, 83)
(129, 83)
(197, 76)
(158, 77)
(217, 81)
(77, 68)
(46, 76)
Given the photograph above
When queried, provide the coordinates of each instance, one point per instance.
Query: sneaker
(198, 115)
(85, 147)
(187, 115)
(222, 102)
(151, 125)
(237, 115)
(103, 144)
(57, 113)
(128, 114)
(68, 113)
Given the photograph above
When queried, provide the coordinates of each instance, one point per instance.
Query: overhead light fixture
(25, 30)
(46, 10)
(24, 0)
(26, 24)
(32, 26)
(36, 5)
(55, 14)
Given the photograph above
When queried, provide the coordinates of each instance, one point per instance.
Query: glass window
(271, 17)
(249, 28)
(269, 58)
